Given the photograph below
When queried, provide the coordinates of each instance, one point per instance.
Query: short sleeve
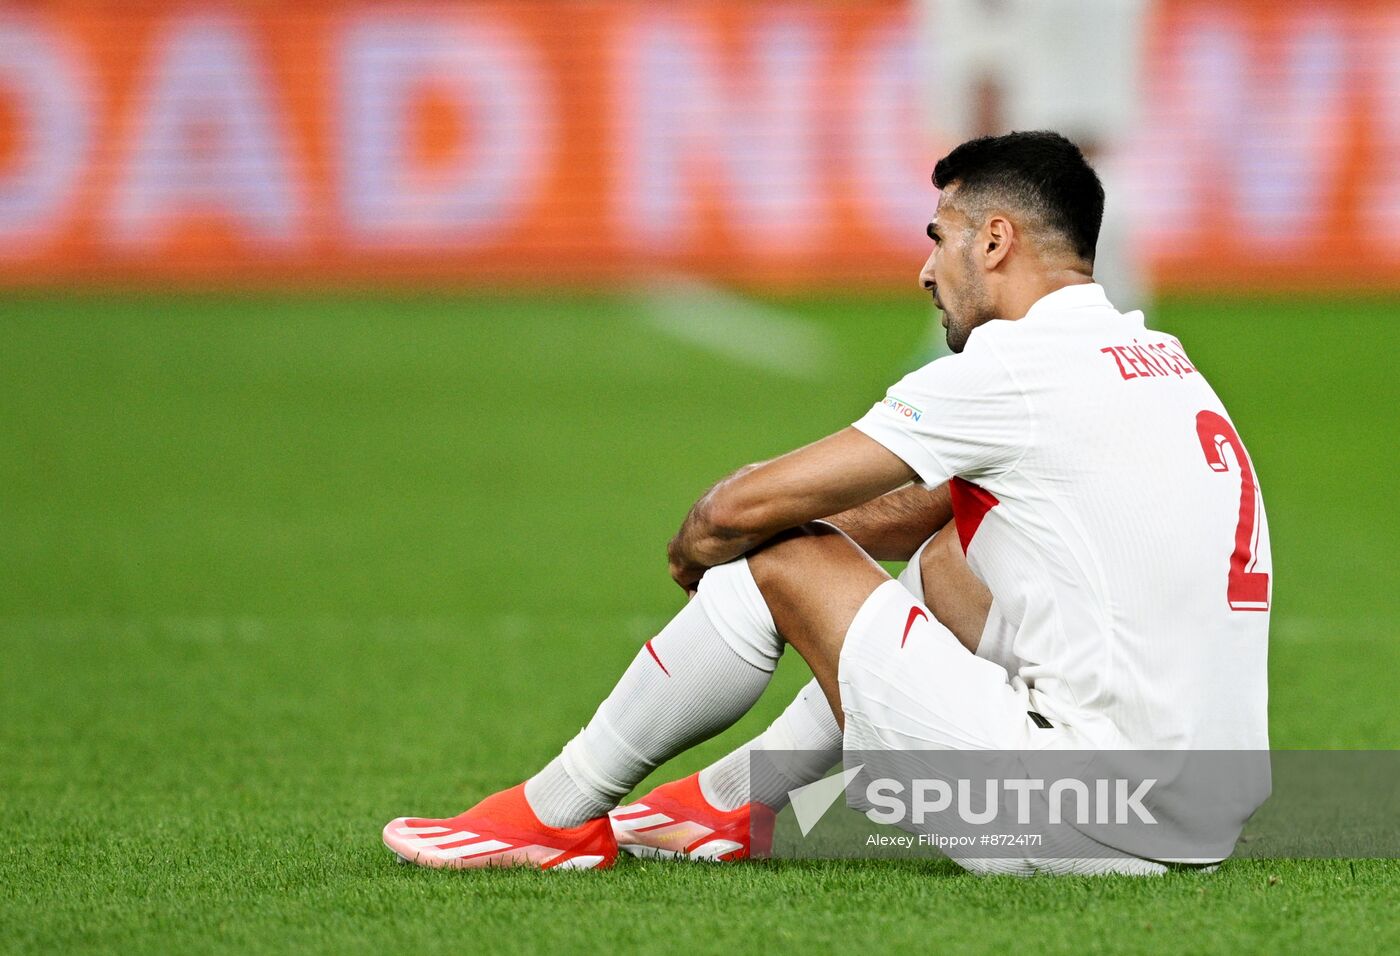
(959, 415)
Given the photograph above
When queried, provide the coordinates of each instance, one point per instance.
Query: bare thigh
(814, 580)
(955, 595)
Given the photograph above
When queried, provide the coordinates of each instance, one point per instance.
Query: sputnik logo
(810, 803)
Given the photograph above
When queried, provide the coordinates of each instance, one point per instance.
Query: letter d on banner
(49, 104)
(483, 72)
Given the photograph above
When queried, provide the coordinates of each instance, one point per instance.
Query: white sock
(808, 735)
(699, 675)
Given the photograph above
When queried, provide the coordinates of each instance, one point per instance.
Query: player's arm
(892, 526)
(757, 502)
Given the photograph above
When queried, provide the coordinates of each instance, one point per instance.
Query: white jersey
(1102, 494)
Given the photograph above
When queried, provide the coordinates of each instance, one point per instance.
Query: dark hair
(1041, 172)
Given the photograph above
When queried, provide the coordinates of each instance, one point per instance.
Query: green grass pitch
(277, 568)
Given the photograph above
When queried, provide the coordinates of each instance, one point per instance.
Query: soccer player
(1090, 562)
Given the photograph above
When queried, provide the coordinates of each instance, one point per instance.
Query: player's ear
(997, 239)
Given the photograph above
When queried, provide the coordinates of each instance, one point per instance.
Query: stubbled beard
(978, 309)
(960, 332)
(955, 336)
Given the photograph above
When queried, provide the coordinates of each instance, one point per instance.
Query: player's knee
(813, 560)
(738, 611)
(789, 557)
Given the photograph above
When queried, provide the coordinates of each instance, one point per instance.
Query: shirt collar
(1088, 295)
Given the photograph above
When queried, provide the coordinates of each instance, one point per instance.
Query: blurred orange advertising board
(554, 142)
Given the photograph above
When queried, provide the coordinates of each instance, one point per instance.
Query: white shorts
(908, 684)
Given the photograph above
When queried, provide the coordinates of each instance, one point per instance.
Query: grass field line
(248, 629)
(1321, 630)
(737, 329)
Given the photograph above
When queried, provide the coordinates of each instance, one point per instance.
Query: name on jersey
(1153, 360)
(902, 408)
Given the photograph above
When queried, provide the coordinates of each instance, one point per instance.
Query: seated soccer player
(1090, 563)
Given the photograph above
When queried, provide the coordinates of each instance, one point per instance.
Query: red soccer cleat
(675, 821)
(501, 830)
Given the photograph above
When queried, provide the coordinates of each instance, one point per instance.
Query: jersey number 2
(1247, 590)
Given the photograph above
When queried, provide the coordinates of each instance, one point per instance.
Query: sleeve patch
(902, 408)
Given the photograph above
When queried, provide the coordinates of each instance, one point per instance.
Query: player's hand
(684, 571)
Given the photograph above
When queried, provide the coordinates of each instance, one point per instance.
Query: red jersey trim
(970, 506)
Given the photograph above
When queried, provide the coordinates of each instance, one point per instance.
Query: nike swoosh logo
(915, 613)
(652, 651)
